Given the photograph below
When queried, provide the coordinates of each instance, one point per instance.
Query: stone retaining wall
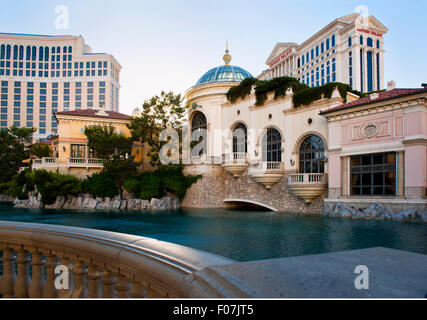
(218, 185)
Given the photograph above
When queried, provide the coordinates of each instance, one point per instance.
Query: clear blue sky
(168, 45)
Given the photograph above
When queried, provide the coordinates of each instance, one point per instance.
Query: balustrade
(46, 261)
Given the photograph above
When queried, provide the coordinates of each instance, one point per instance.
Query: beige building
(41, 75)
(348, 50)
(71, 154)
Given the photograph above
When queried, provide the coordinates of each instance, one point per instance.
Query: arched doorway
(240, 139)
(199, 133)
(272, 146)
(312, 155)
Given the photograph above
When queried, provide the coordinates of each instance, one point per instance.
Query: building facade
(41, 75)
(348, 50)
(294, 158)
(71, 154)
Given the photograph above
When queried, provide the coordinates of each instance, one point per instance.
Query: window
(198, 130)
(373, 175)
(350, 42)
(312, 155)
(333, 41)
(369, 42)
(240, 139)
(272, 146)
(361, 40)
(78, 151)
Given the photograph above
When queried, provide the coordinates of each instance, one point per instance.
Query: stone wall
(218, 185)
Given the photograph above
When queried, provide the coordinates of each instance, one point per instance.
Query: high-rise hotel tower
(41, 75)
(349, 50)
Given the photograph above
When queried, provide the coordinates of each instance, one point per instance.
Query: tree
(158, 113)
(13, 150)
(106, 143)
(41, 150)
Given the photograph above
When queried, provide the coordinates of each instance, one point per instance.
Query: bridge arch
(253, 202)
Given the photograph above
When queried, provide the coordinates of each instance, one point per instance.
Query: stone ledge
(392, 274)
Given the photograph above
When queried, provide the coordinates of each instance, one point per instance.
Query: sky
(169, 45)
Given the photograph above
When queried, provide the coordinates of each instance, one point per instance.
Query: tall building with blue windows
(348, 50)
(41, 75)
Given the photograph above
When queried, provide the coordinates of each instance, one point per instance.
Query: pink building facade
(378, 150)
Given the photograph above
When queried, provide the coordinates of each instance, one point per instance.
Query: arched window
(361, 39)
(322, 47)
(21, 52)
(28, 53)
(350, 42)
(46, 54)
(240, 139)
(378, 44)
(33, 53)
(369, 42)
(312, 155)
(199, 129)
(272, 146)
(41, 51)
(8, 49)
(2, 51)
(333, 41)
(15, 52)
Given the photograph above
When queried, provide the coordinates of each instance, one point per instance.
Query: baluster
(9, 277)
(23, 276)
(80, 276)
(93, 282)
(137, 290)
(37, 276)
(67, 292)
(49, 290)
(122, 286)
(108, 282)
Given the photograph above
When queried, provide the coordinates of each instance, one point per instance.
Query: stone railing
(307, 178)
(268, 167)
(84, 163)
(235, 157)
(98, 264)
(45, 162)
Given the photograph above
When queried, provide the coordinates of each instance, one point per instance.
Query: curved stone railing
(98, 264)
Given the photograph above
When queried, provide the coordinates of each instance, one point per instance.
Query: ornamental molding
(370, 130)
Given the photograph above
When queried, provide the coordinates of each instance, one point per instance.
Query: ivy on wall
(303, 94)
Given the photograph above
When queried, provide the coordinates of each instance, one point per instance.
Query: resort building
(289, 156)
(71, 153)
(348, 50)
(41, 75)
(378, 150)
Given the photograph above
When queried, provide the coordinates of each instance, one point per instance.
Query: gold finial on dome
(227, 57)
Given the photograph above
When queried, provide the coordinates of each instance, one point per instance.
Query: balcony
(267, 173)
(235, 163)
(308, 186)
(84, 163)
(88, 163)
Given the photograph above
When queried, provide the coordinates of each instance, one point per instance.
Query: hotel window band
(373, 175)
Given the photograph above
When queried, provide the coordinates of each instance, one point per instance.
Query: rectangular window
(78, 151)
(373, 175)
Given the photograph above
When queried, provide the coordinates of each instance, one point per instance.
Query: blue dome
(225, 73)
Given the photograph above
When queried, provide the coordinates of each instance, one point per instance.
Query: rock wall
(218, 185)
(81, 202)
(374, 211)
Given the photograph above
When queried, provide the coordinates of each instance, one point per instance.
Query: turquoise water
(240, 235)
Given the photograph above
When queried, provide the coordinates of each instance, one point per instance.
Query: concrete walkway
(391, 274)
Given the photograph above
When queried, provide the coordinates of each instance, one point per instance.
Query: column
(8, 280)
(37, 276)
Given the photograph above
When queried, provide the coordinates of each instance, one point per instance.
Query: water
(240, 235)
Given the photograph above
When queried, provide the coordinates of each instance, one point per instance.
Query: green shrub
(51, 185)
(303, 94)
(100, 185)
(158, 183)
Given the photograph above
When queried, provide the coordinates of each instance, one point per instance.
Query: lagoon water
(240, 235)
